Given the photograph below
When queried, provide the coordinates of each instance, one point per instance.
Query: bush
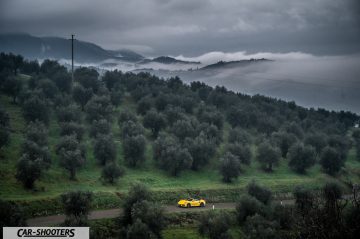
(138, 230)
(304, 199)
(284, 215)
(215, 225)
(257, 226)
(137, 193)
(332, 191)
(262, 194)
(151, 214)
(11, 215)
(247, 206)
(77, 206)
(111, 172)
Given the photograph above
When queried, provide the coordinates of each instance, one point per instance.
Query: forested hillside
(102, 133)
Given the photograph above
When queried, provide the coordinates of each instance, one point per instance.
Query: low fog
(310, 81)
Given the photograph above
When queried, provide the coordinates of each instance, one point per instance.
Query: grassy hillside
(55, 181)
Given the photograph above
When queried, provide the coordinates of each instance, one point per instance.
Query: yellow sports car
(191, 202)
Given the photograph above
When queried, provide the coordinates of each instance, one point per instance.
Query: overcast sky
(193, 27)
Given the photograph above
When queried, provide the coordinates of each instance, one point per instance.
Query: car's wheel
(202, 204)
(188, 205)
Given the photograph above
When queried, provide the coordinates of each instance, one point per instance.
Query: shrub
(247, 206)
(215, 225)
(262, 194)
(111, 172)
(77, 206)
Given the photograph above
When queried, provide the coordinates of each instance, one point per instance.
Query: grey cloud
(194, 27)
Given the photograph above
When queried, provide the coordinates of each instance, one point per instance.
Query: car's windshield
(189, 199)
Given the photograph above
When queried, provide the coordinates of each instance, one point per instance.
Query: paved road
(112, 213)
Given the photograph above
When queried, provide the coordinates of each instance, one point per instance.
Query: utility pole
(72, 57)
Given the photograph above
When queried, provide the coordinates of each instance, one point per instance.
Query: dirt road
(112, 213)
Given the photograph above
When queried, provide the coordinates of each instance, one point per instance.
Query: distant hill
(127, 55)
(33, 47)
(223, 64)
(167, 60)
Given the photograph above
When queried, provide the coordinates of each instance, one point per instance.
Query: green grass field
(56, 181)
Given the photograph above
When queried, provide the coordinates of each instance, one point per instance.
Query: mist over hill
(328, 82)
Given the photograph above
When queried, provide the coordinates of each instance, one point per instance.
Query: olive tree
(242, 152)
(154, 121)
(301, 157)
(35, 108)
(28, 171)
(71, 154)
(82, 95)
(77, 205)
(229, 167)
(331, 160)
(104, 149)
(170, 156)
(4, 128)
(134, 150)
(111, 172)
(267, 156)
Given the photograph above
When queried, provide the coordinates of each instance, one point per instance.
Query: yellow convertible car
(191, 202)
